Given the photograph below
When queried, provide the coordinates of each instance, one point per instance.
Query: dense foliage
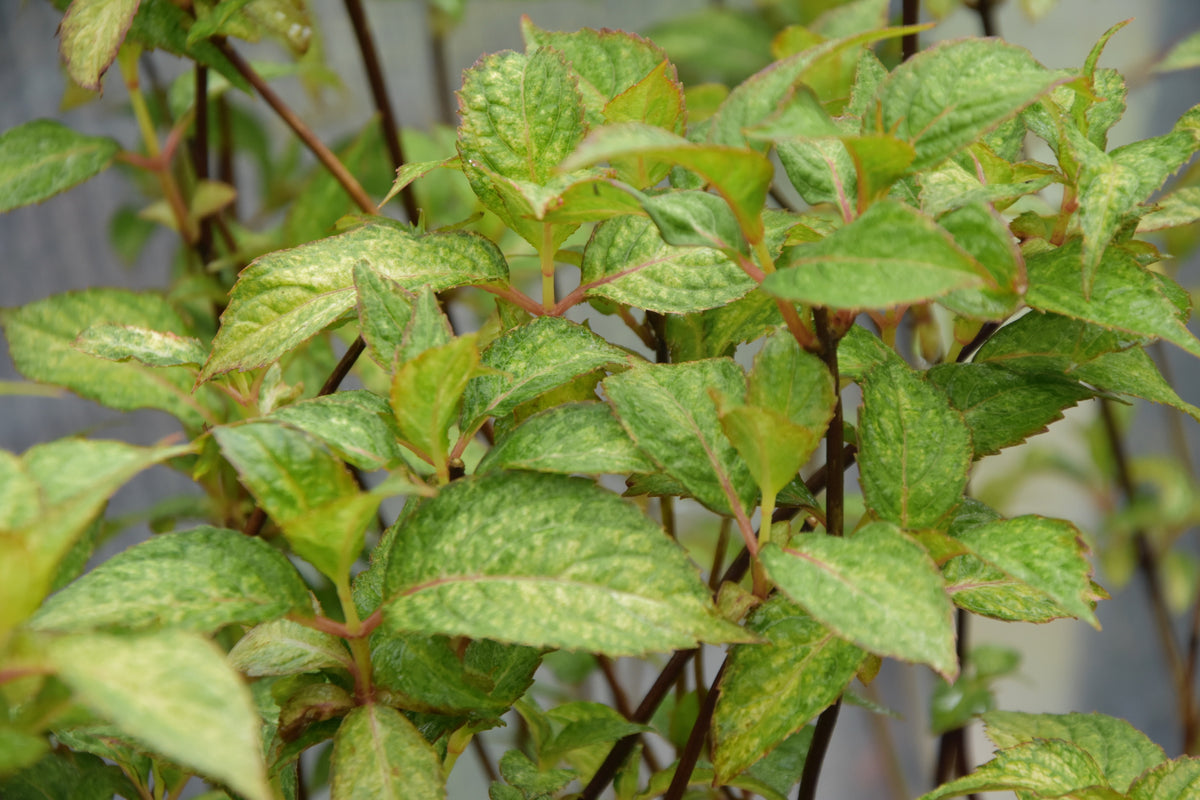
(852, 212)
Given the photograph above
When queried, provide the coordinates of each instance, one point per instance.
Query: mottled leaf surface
(42, 334)
(1045, 768)
(130, 343)
(42, 158)
(771, 690)
(580, 438)
(200, 580)
(914, 448)
(378, 753)
(670, 414)
(533, 359)
(628, 261)
(546, 560)
(356, 424)
(173, 692)
(877, 588)
(284, 647)
(891, 255)
(90, 34)
(1119, 749)
(286, 297)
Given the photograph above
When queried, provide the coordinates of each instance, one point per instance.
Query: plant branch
(379, 94)
(1148, 566)
(987, 17)
(834, 441)
(816, 751)
(330, 161)
(910, 14)
(695, 743)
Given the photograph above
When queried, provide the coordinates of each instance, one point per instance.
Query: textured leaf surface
(200, 580)
(671, 416)
(91, 32)
(953, 93)
(1125, 297)
(574, 438)
(1003, 407)
(984, 234)
(1046, 554)
(1172, 780)
(1046, 768)
(914, 448)
(173, 692)
(304, 488)
(628, 262)
(891, 255)
(384, 311)
(534, 359)
(427, 392)
(378, 753)
(739, 175)
(68, 482)
(283, 647)
(356, 424)
(152, 348)
(430, 674)
(1120, 750)
(284, 298)
(42, 158)
(547, 561)
(42, 334)
(878, 589)
(771, 690)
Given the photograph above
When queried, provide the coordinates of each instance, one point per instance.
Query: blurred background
(1066, 666)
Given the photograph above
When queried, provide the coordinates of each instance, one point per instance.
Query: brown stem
(695, 743)
(318, 148)
(438, 29)
(816, 751)
(987, 17)
(910, 14)
(485, 761)
(343, 367)
(834, 444)
(1148, 566)
(379, 93)
(204, 245)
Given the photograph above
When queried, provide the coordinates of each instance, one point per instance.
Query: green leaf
(772, 447)
(377, 753)
(792, 382)
(1171, 780)
(891, 255)
(982, 232)
(285, 298)
(693, 218)
(627, 261)
(1044, 768)
(535, 358)
(428, 328)
(1120, 750)
(1046, 554)
(173, 692)
(42, 334)
(548, 561)
(1178, 208)
(608, 62)
(161, 25)
(201, 580)
(1184, 54)
(385, 309)
(769, 691)
(953, 93)
(299, 483)
(670, 414)
(152, 348)
(877, 588)
(583, 724)
(914, 448)
(78, 776)
(741, 176)
(42, 158)
(356, 424)
(525, 780)
(68, 482)
(658, 100)
(283, 647)
(1003, 407)
(427, 393)
(717, 332)
(429, 673)
(1125, 297)
(583, 438)
(520, 117)
(1133, 372)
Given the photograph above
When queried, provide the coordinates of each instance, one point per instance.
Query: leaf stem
(910, 14)
(379, 93)
(817, 750)
(1148, 565)
(330, 161)
(695, 743)
(546, 258)
(834, 440)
